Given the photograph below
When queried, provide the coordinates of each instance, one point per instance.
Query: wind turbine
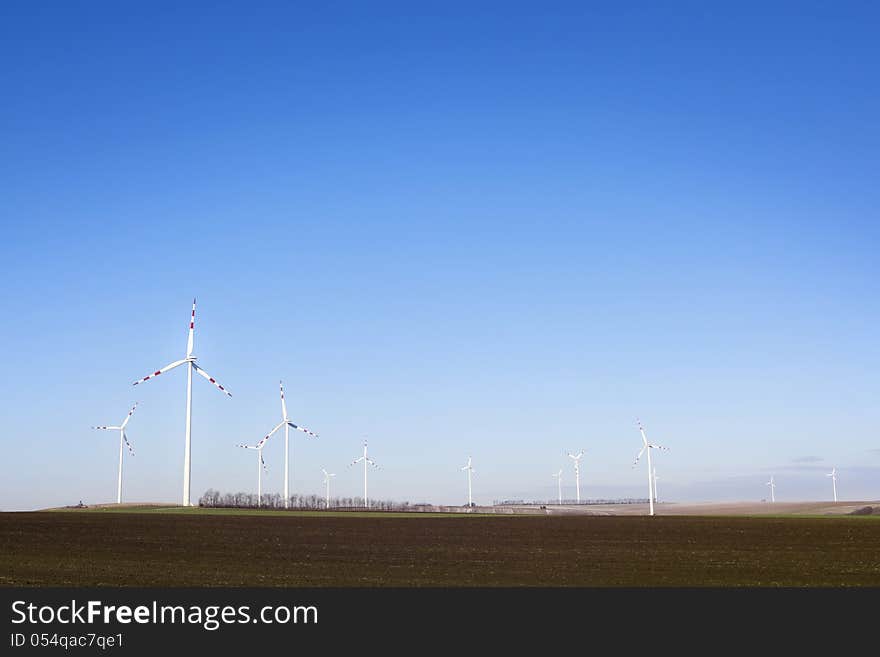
(261, 466)
(651, 472)
(469, 469)
(122, 438)
(191, 367)
(833, 475)
(366, 460)
(286, 423)
(577, 472)
(772, 485)
(558, 477)
(327, 476)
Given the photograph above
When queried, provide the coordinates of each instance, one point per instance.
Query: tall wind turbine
(772, 485)
(327, 476)
(832, 474)
(366, 460)
(469, 469)
(191, 367)
(558, 477)
(261, 466)
(287, 424)
(577, 472)
(122, 438)
(646, 446)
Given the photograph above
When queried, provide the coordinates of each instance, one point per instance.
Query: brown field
(106, 548)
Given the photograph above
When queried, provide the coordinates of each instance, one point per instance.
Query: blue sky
(494, 229)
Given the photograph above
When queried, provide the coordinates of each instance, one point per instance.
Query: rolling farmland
(240, 548)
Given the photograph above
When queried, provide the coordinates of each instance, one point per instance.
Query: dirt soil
(144, 549)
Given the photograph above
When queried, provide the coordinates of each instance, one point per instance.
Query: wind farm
(461, 280)
(576, 524)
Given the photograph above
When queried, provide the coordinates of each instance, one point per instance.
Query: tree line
(215, 499)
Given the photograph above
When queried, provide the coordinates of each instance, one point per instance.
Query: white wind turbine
(261, 466)
(470, 470)
(122, 438)
(327, 476)
(558, 477)
(833, 475)
(286, 423)
(577, 472)
(646, 446)
(190, 361)
(772, 485)
(366, 460)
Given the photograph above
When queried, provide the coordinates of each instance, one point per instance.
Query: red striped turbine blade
(210, 378)
(269, 435)
(158, 372)
(192, 326)
(303, 429)
(130, 449)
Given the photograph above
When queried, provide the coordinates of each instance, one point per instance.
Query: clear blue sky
(504, 230)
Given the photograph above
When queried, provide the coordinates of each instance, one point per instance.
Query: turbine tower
(832, 474)
(656, 499)
(366, 460)
(577, 472)
(558, 477)
(327, 476)
(646, 446)
(122, 438)
(469, 469)
(191, 367)
(772, 485)
(261, 466)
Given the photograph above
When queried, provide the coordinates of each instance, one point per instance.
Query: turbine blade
(283, 403)
(303, 429)
(265, 469)
(642, 451)
(247, 446)
(117, 428)
(210, 378)
(192, 326)
(661, 447)
(358, 460)
(128, 417)
(642, 431)
(269, 435)
(162, 371)
(125, 438)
